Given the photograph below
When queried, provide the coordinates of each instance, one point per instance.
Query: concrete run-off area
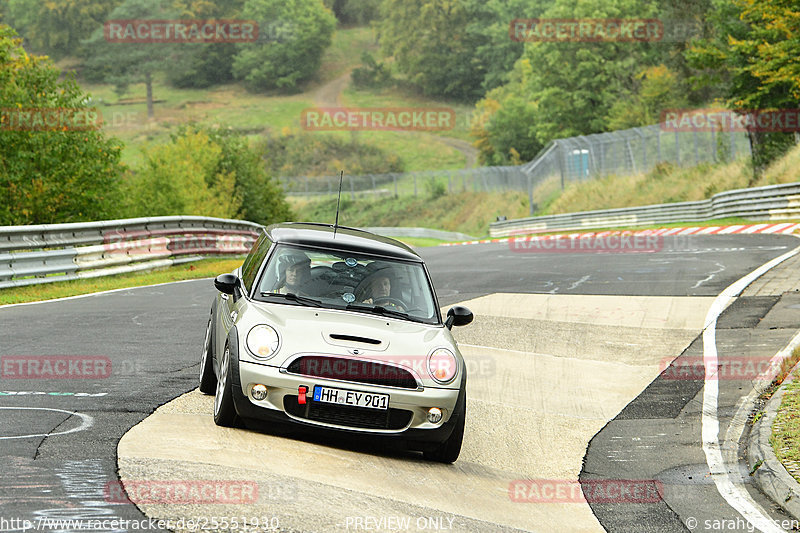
(547, 372)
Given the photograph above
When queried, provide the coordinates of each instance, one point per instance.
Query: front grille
(348, 416)
(355, 370)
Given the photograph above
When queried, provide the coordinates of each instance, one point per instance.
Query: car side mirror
(226, 283)
(458, 316)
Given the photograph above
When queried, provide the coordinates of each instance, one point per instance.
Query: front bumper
(282, 385)
(282, 388)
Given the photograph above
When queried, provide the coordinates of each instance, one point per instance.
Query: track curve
(152, 337)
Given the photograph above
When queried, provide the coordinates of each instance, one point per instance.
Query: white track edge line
(731, 489)
(109, 291)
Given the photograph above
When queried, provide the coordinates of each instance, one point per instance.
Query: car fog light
(259, 392)
(434, 415)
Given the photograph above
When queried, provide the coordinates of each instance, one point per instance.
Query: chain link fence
(434, 182)
(561, 162)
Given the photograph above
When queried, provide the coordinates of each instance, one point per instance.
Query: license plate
(351, 397)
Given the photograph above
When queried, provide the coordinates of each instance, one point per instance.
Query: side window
(254, 259)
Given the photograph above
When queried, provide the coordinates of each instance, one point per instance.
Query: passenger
(296, 273)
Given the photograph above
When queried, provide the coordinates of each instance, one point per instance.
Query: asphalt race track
(134, 350)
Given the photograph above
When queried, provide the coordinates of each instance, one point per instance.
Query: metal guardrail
(773, 202)
(424, 233)
(35, 254)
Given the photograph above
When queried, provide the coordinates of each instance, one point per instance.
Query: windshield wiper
(295, 298)
(379, 310)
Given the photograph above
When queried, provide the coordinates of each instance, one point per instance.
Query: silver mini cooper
(337, 329)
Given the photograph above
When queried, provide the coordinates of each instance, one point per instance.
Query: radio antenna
(338, 199)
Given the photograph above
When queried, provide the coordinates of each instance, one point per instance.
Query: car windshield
(348, 281)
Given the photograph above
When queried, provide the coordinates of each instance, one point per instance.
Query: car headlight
(442, 365)
(263, 341)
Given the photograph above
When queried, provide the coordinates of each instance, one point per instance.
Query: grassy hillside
(471, 213)
(231, 106)
(666, 184)
(467, 212)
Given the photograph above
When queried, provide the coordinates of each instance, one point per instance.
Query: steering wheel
(392, 303)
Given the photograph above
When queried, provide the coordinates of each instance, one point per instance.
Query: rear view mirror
(458, 316)
(226, 283)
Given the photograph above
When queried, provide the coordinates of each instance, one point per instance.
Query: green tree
(124, 63)
(431, 46)
(56, 28)
(65, 173)
(751, 59)
(183, 178)
(262, 198)
(206, 171)
(495, 51)
(774, 41)
(576, 100)
(503, 124)
(354, 11)
(659, 89)
(307, 29)
(201, 65)
(563, 88)
(455, 48)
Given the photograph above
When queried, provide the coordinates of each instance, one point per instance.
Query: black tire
(449, 450)
(224, 410)
(208, 381)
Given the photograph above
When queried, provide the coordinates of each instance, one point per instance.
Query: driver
(379, 287)
(297, 270)
(378, 291)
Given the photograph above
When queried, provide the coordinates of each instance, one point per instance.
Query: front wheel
(449, 450)
(224, 411)
(208, 381)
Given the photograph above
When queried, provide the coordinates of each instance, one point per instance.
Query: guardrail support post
(658, 144)
(531, 208)
(713, 143)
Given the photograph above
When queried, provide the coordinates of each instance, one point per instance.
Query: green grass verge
(205, 268)
(785, 435)
(419, 242)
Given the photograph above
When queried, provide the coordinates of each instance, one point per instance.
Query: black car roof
(351, 239)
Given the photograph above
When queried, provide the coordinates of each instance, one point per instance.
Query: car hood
(324, 331)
